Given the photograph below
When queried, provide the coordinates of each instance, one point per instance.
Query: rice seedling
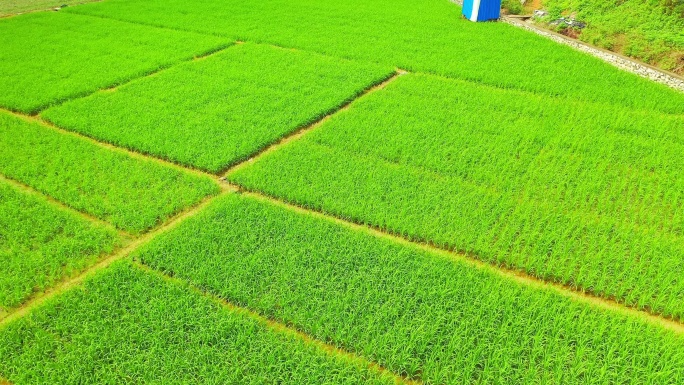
(127, 326)
(497, 145)
(416, 313)
(47, 58)
(417, 35)
(212, 113)
(131, 193)
(585, 195)
(41, 243)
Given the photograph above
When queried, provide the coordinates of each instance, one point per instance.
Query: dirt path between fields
(281, 328)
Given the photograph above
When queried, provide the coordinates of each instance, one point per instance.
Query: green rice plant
(47, 58)
(585, 195)
(131, 193)
(218, 111)
(128, 326)
(418, 35)
(418, 313)
(41, 244)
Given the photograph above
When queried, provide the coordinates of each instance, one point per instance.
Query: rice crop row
(416, 313)
(50, 57)
(41, 243)
(131, 193)
(217, 111)
(417, 35)
(128, 326)
(576, 193)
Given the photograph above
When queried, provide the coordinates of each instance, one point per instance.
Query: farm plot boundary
(188, 21)
(279, 327)
(282, 46)
(103, 263)
(515, 275)
(131, 242)
(152, 73)
(520, 276)
(227, 188)
(125, 236)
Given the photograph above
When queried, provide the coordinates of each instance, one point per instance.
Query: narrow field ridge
(299, 133)
(270, 148)
(108, 146)
(145, 75)
(439, 16)
(121, 253)
(516, 275)
(215, 192)
(672, 80)
(282, 328)
(214, 112)
(519, 276)
(30, 190)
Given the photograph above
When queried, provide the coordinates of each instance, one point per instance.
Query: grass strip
(13, 7)
(217, 111)
(415, 313)
(131, 193)
(648, 31)
(47, 58)
(416, 35)
(128, 326)
(579, 194)
(41, 244)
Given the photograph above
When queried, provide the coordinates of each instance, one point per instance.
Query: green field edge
(311, 124)
(220, 178)
(107, 145)
(141, 75)
(569, 289)
(673, 323)
(123, 241)
(277, 326)
(518, 275)
(124, 235)
(428, 73)
(37, 112)
(102, 263)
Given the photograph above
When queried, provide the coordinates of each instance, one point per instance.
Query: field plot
(217, 111)
(325, 192)
(41, 243)
(586, 195)
(417, 35)
(414, 312)
(49, 57)
(130, 193)
(126, 326)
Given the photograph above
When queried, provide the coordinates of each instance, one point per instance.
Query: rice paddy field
(321, 192)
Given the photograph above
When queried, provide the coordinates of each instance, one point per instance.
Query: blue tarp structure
(481, 10)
